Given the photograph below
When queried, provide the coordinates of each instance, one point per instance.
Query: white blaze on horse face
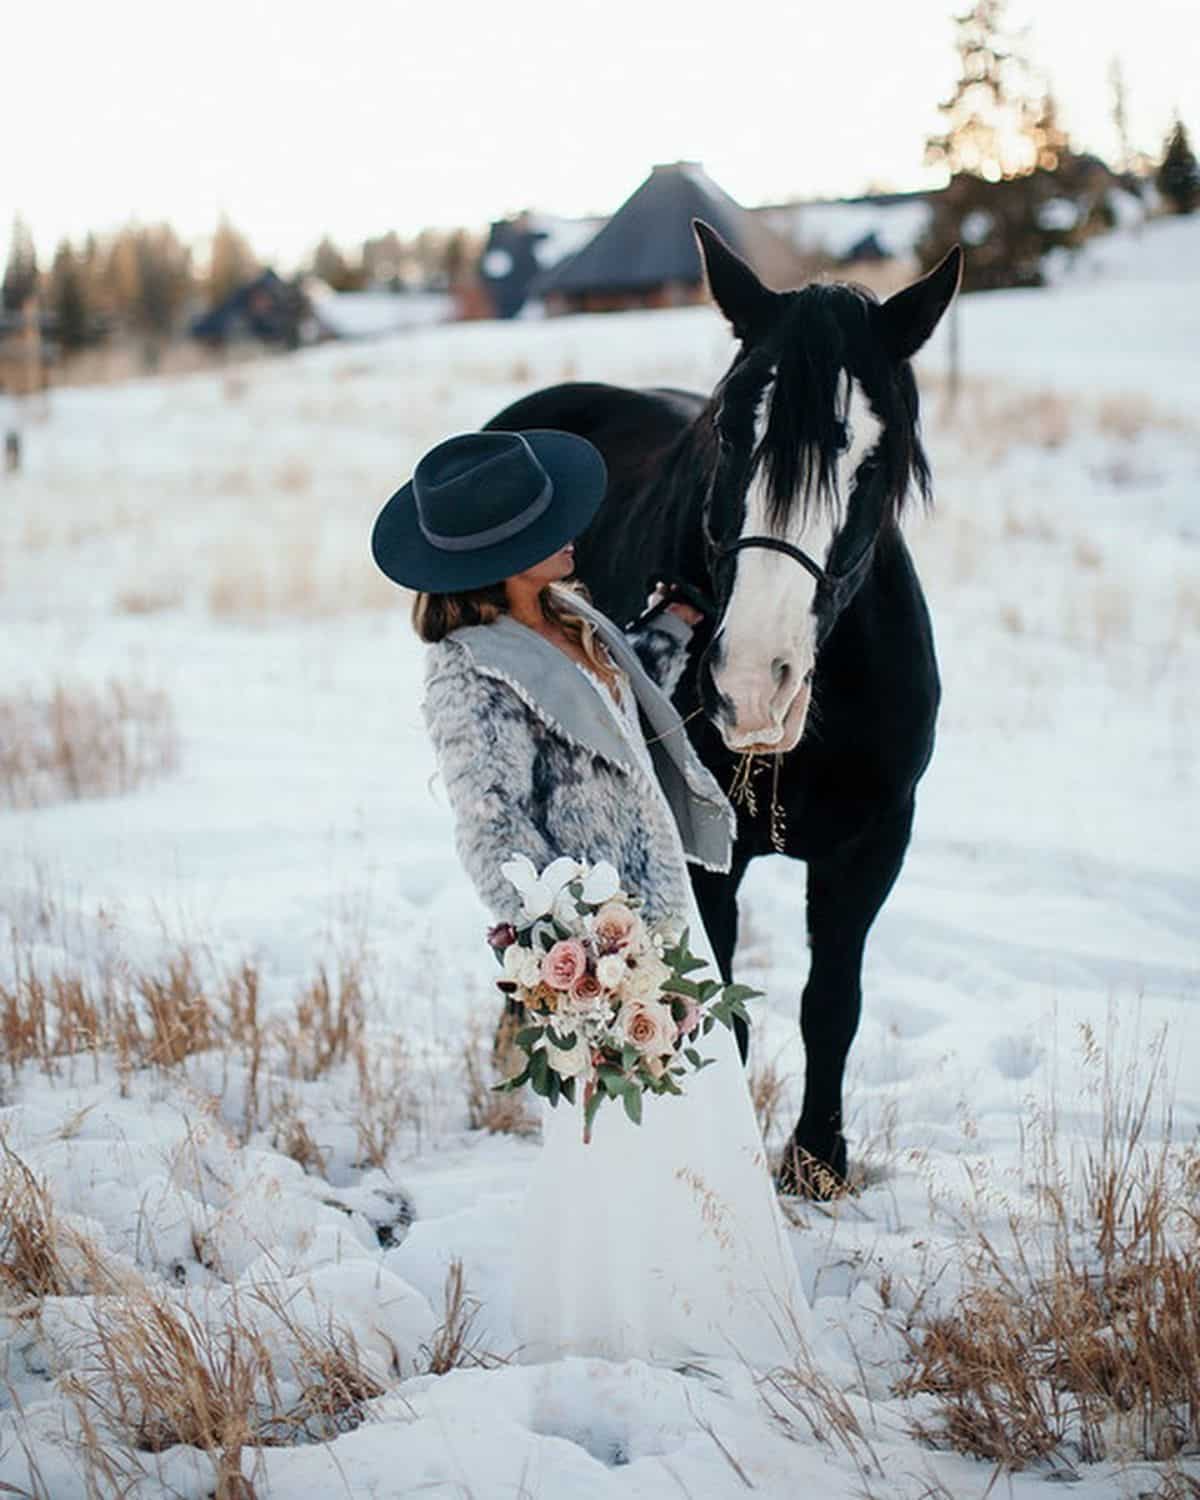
(768, 631)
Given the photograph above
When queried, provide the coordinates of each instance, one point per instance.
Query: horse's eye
(845, 436)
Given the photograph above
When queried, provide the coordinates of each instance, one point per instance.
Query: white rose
(645, 980)
(530, 974)
(569, 1062)
(611, 970)
(522, 965)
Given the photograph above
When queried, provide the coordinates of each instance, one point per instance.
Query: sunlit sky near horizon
(298, 119)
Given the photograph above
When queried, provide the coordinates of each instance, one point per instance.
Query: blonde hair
(436, 615)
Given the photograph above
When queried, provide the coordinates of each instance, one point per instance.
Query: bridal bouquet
(608, 1006)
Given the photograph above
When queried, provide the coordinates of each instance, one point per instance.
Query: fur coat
(532, 762)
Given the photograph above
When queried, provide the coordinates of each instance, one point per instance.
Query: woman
(555, 735)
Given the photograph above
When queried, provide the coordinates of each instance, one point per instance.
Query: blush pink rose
(564, 964)
(586, 989)
(649, 1027)
(615, 926)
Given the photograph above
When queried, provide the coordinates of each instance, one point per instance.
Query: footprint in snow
(1015, 1057)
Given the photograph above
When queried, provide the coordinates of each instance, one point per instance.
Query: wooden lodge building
(646, 254)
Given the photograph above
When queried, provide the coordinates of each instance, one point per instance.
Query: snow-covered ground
(207, 537)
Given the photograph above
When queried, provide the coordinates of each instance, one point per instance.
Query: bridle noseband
(837, 587)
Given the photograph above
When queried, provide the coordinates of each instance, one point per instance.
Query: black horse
(774, 505)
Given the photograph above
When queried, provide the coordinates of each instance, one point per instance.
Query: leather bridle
(837, 587)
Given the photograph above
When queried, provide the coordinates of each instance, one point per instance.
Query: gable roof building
(266, 308)
(646, 254)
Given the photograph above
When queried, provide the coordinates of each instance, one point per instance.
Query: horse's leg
(716, 896)
(845, 892)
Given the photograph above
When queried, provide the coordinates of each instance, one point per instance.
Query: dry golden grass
(154, 1375)
(125, 360)
(384, 1102)
(768, 1091)
(1087, 555)
(1111, 613)
(455, 1344)
(497, 1113)
(805, 1403)
(1011, 619)
(1009, 416)
(1079, 1338)
(159, 1017)
(141, 600)
(30, 1262)
(294, 476)
(327, 1027)
(83, 741)
(1128, 416)
(292, 582)
(181, 1018)
(291, 1136)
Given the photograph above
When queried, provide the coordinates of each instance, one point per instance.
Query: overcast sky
(296, 118)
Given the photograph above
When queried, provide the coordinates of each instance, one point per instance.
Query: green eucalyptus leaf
(611, 1081)
(677, 986)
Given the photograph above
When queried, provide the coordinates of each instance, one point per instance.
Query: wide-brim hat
(484, 505)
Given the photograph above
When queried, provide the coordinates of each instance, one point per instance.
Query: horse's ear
(736, 290)
(909, 317)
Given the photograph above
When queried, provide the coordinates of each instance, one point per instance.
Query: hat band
(468, 541)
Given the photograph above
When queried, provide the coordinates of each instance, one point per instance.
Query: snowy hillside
(190, 557)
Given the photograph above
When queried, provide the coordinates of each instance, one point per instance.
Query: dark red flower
(503, 935)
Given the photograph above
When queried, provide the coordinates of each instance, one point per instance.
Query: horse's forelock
(830, 335)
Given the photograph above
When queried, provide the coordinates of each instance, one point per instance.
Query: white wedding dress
(661, 1241)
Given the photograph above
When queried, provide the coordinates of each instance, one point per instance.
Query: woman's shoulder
(454, 673)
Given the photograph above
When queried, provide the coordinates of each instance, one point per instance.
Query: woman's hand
(686, 612)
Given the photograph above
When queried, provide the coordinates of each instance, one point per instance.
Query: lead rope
(742, 793)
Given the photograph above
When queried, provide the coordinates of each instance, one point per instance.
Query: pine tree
(1010, 161)
(333, 268)
(1178, 178)
(231, 263)
(68, 299)
(990, 119)
(21, 272)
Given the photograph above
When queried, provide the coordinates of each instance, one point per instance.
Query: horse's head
(815, 448)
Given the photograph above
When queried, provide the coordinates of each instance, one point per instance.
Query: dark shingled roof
(649, 239)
